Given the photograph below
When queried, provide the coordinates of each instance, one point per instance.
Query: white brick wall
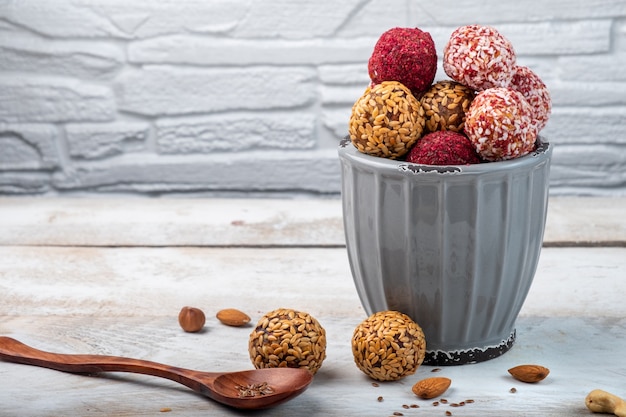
(252, 96)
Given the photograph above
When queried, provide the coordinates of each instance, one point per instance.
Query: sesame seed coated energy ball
(479, 57)
(445, 105)
(535, 92)
(386, 120)
(500, 124)
(443, 148)
(286, 338)
(388, 346)
(406, 55)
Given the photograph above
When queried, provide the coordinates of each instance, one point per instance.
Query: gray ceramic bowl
(454, 247)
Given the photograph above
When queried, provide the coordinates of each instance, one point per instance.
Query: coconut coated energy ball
(535, 92)
(479, 57)
(500, 124)
(406, 55)
(445, 105)
(388, 346)
(386, 120)
(443, 148)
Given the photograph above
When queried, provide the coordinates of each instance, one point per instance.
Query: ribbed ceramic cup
(454, 247)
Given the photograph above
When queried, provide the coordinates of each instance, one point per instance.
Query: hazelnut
(191, 319)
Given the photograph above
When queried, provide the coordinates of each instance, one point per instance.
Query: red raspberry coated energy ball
(443, 147)
(500, 124)
(535, 92)
(406, 55)
(479, 57)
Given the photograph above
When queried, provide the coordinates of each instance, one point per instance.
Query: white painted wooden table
(108, 276)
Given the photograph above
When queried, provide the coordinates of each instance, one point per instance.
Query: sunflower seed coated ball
(386, 120)
(388, 346)
(286, 338)
(445, 105)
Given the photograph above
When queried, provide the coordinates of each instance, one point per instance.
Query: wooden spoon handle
(12, 350)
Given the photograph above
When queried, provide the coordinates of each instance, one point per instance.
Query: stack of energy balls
(490, 110)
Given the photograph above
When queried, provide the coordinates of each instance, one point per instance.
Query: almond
(529, 373)
(431, 387)
(232, 317)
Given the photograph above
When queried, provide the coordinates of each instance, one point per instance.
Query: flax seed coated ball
(443, 147)
(479, 57)
(535, 92)
(386, 120)
(287, 338)
(500, 124)
(388, 346)
(445, 105)
(406, 55)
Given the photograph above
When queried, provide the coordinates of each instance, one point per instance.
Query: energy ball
(386, 120)
(388, 346)
(287, 338)
(500, 124)
(479, 57)
(443, 148)
(535, 92)
(406, 55)
(445, 105)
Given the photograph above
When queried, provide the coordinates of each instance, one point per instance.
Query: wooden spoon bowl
(253, 389)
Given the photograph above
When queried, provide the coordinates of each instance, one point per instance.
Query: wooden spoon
(253, 389)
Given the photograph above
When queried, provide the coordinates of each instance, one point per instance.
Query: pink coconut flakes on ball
(479, 57)
(500, 124)
(406, 55)
(535, 92)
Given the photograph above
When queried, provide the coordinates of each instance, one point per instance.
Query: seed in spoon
(254, 390)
